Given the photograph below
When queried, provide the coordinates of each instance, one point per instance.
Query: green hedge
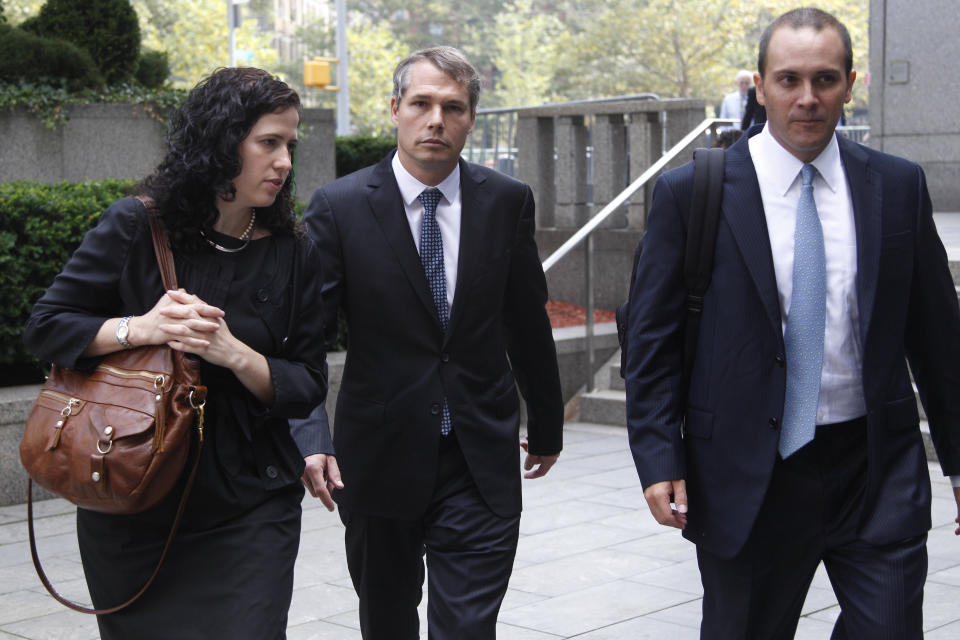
(40, 226)
(108, 29)
(357, 152)
(25, 56)
(153, 69)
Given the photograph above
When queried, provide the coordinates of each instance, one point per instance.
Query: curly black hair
(202, 156)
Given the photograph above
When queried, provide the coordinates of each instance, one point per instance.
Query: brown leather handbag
(117, 439)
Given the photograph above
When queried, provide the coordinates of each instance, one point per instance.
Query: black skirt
(228, 579)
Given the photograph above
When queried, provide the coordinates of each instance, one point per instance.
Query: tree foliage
(374, 53)
(470, 26)
(318, 39)
(16, 11)
(676, 48)
(195, 36)
(539, 50)
(526, 52)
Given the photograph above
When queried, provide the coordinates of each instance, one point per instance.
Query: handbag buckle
(108, 431)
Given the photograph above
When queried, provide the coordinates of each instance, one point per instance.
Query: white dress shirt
(448, 216)
(733, 106)
(778, 172)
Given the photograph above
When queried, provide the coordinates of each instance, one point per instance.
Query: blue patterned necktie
(431, 255)
(803, 337)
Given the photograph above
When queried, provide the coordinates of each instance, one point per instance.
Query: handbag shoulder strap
(163, 554)
(161, 245)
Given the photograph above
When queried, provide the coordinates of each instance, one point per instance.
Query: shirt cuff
(955, 481)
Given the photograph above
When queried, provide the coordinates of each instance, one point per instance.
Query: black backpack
(698, 261)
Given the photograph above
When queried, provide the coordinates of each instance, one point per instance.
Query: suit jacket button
(272, 472)
(262, 295)
(774, 423)
(444, 357)
(435, 409)
(781, 360)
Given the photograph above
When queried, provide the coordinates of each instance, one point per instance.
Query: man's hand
(956, 495)
(660, 496)
(543, 463)
(321, 477)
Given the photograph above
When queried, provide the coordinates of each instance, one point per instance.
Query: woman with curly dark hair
(248, 308)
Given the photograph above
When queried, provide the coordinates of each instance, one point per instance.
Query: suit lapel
(865, 192)
(743, 211)
(474, 201)
(386, 203)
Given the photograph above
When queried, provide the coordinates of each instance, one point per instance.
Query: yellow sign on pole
(316, 73)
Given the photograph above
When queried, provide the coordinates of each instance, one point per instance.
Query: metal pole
(511, 121)
(232, 28)
(663, 133)
(588, 282)
(496, 145)
(343, 96)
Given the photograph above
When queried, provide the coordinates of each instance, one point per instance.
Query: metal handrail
(585, 233)
(644, 177)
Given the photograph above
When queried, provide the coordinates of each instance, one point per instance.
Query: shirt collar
(411, 188)
(786, 166)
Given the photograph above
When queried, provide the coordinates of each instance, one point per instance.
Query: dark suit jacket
(727, 445)
(753, 112)
(400, 364)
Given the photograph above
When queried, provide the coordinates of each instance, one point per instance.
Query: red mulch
(564, 314)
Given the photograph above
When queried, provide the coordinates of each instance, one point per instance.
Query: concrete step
(604, 407)
(616, 382)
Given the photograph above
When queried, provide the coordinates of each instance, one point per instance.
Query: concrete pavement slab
(592, 564)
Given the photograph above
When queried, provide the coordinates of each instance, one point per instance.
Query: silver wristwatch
(123, 328)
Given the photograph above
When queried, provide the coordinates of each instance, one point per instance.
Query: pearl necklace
(245, 236)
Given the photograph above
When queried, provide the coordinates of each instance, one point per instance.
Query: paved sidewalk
(948, 226)
(592, 564)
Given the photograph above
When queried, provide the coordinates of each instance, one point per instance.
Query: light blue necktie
(803, 337)
(431, 255)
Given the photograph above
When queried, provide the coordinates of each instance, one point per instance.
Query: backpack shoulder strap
(708, 169)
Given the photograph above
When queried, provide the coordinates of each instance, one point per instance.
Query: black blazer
(753, 112)
(727, 445)
(400, 364)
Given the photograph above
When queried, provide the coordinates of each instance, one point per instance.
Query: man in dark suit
(434, 264)
(754, 112)
(796, 438)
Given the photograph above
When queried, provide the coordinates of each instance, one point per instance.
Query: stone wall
(123, 141)
(15, 402)
(615, 141)
(914, 90)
